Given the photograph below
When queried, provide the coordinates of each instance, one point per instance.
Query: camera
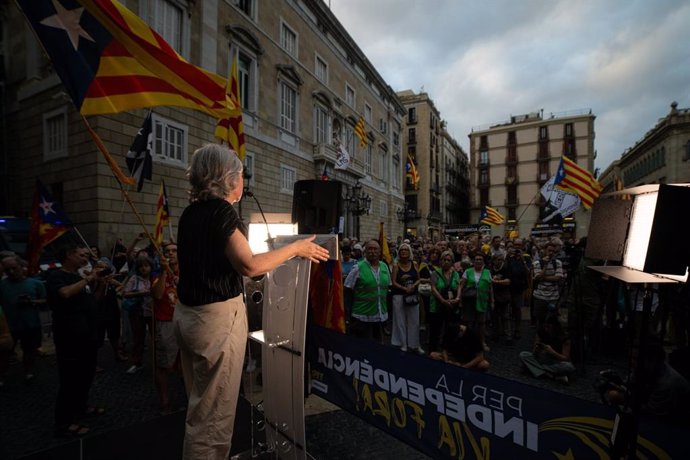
(608, 380)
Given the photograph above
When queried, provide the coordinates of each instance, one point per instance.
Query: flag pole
(119, 176)
(83, 240)
(528, 205)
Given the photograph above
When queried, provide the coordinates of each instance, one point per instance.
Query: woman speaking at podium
(210, 318)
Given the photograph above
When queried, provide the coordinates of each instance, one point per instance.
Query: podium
(285, 294)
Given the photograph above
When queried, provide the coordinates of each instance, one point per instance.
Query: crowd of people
(452, 300)
(91, 298)
(455, 299)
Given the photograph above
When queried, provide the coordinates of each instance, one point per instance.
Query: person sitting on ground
(664, 393)
(551, 354)
(462, 347)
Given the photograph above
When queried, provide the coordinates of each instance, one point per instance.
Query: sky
(483, 61)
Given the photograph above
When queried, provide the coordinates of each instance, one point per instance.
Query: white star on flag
(68, 20)
(47, 206)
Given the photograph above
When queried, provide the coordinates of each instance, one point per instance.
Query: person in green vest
(366, 290)
(477, 296)
(444, 299)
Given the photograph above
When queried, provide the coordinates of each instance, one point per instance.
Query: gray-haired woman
(210, 319)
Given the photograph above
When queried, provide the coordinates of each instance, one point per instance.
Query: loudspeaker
(317, 206)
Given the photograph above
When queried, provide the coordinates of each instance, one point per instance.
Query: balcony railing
(328, 153)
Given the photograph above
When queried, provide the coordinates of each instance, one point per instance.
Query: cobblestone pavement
(26, 411)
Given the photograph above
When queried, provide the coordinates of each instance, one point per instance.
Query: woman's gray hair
(214, 172)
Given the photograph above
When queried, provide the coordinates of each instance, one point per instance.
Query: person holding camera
(551, 354)
(73, 299)
(20, 297)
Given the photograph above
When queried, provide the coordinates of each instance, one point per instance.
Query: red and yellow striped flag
(385, 250)
(162, 215)
(361, 132)
(231, 128)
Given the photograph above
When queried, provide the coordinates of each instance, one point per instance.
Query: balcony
(511, 160)
(328, 153)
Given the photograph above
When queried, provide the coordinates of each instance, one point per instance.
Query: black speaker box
(317, 206)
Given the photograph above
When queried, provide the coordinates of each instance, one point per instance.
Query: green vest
(441, 286)
(368, 294)
(483, 288)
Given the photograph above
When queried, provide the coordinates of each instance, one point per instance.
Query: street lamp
(357, 203)
(405, 214)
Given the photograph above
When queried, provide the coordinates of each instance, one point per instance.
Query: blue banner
(446, 411)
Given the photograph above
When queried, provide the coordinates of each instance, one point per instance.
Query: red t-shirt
(164, 308)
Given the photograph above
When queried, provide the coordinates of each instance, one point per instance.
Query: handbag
(469, 293)
(411, 300)
(424, 288)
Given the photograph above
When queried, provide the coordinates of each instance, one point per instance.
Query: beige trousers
(212, 340)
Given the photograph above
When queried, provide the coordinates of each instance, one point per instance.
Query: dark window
(568, 129)
(484, 197)
(543, 132)
(412, 136)
(412, 115)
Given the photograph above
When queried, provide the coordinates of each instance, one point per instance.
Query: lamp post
(405, 214)
(246, 175)
(357, 203)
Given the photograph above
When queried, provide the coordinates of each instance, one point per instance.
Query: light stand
(646, 235)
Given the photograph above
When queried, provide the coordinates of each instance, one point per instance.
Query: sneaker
(486, 348)
(403, 348)
(420, 351)
(134, 369)
(562, 379)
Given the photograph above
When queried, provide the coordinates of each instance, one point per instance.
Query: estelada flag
(48, 223)
(573, 177)
(326, 295)
(110, 60)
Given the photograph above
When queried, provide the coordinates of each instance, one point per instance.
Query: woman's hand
(307, 249)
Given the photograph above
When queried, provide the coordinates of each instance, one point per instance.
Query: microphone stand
(270, 240)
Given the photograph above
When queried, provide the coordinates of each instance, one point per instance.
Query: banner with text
(448, 412)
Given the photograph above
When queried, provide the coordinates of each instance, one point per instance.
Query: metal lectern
(284, 322)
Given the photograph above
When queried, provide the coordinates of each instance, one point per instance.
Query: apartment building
(511, 161)
(304, 84)
(661, 156)
(441, 195)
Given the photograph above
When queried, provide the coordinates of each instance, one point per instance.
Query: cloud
(482, 62)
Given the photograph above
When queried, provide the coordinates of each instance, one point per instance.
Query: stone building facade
(304, 85)
(511, 161)
(441, 196)
(662, 156)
